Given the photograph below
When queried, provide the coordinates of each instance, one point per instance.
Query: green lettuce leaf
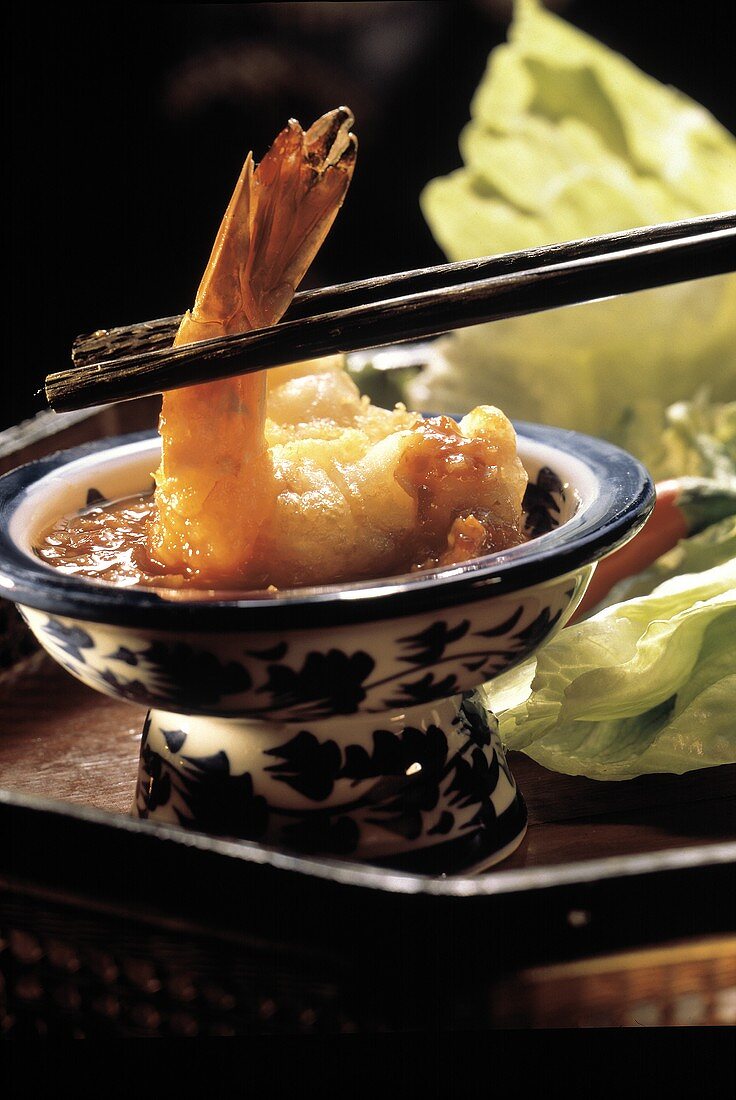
(645, 685)
(568, 139)
(689, 439)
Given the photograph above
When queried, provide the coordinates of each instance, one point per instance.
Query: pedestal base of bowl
(426, 789)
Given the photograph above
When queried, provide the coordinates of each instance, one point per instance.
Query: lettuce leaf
(689, 439)
(568, 139)
(645, 685)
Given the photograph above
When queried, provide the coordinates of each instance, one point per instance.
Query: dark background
(128, 126)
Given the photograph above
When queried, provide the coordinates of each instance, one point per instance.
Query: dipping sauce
(109, 543)
(106, 543)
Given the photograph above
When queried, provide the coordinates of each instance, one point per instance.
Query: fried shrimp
(215, 485)
(290, 477)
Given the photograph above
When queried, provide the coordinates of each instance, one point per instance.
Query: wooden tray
(617, 908)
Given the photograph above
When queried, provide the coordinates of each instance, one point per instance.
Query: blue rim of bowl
(624, 501)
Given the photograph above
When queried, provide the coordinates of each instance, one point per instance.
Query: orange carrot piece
(683, 507)
(663, 530)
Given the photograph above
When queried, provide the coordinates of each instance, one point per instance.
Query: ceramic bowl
(342, 720)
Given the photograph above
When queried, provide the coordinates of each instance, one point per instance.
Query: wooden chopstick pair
(138, 360)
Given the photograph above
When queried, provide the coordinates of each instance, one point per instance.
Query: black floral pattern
(398, 782)
(312, 768)
(537, 630)
(198, 674)
(411, 751)
(308, 765)
(430, 644)
(539, 502)
(424, 690)
(421, 767)
(122, 653)
(224, 805)
(473, 778)
(437, 644)
(136, 691)
(72, 639)
(209, 797)
(503, 628)
(327, 683)
(174, 739)
(195, 677)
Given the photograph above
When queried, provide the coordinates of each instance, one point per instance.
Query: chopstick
(116, 343)
(410, 305)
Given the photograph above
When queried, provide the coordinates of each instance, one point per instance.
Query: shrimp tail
(213, 489)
